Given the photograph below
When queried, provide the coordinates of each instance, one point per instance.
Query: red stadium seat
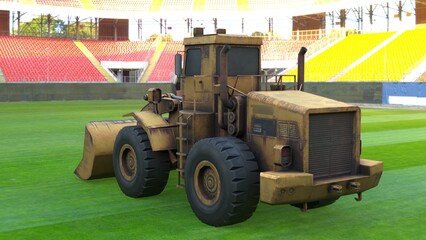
(120, 50)
(164, 69)
(25, 59)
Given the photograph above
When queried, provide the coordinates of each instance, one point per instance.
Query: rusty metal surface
(296, 187)
(200, 91)
(98, 146)
(284, 118)
(223, 39)
(193, 126)
(223, 77)
(160, 132)
(301, 102)
(269, 122)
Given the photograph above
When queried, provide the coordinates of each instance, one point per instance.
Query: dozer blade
(98, 147)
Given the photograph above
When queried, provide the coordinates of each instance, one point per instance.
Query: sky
(282, 25)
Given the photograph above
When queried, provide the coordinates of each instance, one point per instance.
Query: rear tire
(139, 171)
(222, 181)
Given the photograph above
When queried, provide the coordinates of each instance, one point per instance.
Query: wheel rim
(127, 162)
(207, 183)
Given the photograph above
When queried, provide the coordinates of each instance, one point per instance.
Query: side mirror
(178, 64)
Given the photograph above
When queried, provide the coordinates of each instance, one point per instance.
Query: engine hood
(300, 102)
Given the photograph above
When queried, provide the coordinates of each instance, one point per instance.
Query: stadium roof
(127, 9)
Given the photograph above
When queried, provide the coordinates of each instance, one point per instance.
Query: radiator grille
(331, 144)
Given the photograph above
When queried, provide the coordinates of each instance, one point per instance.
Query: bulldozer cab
(202, 63)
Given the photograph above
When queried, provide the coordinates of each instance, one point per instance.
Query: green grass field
(41, 143)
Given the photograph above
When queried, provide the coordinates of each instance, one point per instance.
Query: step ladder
(185, 141)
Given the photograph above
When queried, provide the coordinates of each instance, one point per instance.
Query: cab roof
(221, 39)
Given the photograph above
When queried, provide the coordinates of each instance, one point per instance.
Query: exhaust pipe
(223, 77)
(301, 69)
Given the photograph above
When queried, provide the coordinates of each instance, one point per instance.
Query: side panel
(193, 126)
(268, 129)
(198, 81)
(323, 141)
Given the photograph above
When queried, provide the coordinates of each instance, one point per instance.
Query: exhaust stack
(223, 77)
(301, 69)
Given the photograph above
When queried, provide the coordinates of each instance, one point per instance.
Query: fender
(160, 133)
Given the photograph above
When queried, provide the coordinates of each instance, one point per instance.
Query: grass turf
(40, 197)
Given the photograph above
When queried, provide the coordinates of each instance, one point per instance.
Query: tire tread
(243, 170)
(154, 172)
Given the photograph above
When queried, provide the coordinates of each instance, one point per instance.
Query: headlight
(286, 156)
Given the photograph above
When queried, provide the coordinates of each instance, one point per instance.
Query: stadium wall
(353, 92)
(13, 92)
(113, 29)
(420, 12)
(4, 23)
(411, 94)
(308, 23)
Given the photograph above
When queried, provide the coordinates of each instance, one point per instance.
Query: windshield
(241, 60)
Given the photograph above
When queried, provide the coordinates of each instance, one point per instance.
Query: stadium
(66, 63)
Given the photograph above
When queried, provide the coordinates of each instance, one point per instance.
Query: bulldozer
(235, 136)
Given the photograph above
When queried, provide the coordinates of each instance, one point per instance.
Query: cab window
(241, 61)
(193, 62)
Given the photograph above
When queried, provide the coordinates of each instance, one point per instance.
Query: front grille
(331, 139)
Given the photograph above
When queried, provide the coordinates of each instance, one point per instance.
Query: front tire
(222, 181)
(139, 171)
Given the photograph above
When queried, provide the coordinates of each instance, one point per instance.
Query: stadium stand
(124, 5)
(275, 4)
(218, 5)
(27, 59)
(164, 68)
(333, 60)
(394, 61)
(138, 51)
(60, 3)
(283, 49)
(177, 5)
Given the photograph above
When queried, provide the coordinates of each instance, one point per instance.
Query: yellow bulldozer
(235, 136)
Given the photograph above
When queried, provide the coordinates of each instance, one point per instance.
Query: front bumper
(297, 187)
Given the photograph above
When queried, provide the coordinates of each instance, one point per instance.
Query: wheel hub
(207, 183)
(127, 162)
(210, 181)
